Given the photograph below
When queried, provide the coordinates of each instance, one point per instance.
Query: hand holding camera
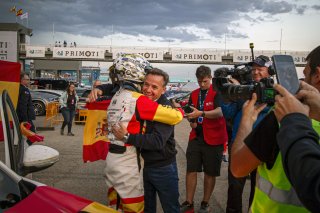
(310, 96)
(286, 103)
(283, 67)
(187, 109)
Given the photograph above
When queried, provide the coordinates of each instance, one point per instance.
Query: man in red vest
(207, 136)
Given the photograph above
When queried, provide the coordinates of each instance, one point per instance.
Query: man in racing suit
(128, 106)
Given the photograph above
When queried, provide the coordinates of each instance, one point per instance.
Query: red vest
(214, 130)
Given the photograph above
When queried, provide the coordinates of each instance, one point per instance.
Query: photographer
(232, 111)
(207, 136)
(259, 149)
(297, 143)
(300, 151)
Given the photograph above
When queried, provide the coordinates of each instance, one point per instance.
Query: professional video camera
(284, 68)
(231, 92)
(240, 72)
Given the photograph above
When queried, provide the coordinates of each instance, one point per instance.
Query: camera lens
(240, 92)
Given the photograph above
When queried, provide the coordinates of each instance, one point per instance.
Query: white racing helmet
(129, 67)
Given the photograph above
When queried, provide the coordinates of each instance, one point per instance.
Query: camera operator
(296, 142)
(232, 111)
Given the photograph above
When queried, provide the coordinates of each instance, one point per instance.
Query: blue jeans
(164, 181)
(68, 115)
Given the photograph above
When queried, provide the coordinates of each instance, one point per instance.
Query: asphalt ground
(86, 179)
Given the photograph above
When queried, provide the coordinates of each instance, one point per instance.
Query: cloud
(301, 9)
(183, 20)
(316, 7)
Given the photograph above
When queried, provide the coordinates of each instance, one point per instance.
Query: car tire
(39, 108)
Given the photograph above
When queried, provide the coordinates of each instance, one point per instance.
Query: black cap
(262, 61)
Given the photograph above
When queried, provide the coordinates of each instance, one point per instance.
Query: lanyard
(201, 101)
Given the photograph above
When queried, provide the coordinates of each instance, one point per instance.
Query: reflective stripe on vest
(281, 196)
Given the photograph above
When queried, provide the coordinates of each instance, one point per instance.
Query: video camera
(240, 72)
(284, 68)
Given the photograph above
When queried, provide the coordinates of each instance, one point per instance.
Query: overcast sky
(168, 23)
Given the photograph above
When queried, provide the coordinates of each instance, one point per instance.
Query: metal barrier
(83, 113)
(52, 114)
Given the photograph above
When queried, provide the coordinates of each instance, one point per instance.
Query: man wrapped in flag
(129, 106)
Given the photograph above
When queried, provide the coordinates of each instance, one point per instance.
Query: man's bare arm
(243, 160)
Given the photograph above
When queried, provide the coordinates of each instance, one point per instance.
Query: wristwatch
(203, 114)
(126, 137)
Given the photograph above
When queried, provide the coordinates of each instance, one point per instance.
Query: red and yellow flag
(95, 141)
(13, 9)
(19, 12)
(10, 81)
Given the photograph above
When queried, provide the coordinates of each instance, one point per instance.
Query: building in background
(88, 75)
(13, 38)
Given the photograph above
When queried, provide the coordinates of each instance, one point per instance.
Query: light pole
(280, 39)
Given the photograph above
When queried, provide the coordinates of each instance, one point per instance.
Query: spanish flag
(49, 199)
(10, 81)
(19, 12)
(13, 9)
(95, 141)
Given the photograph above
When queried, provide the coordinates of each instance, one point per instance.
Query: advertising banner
(196, 55)
(299, 57)
(8, 46)
(244, 57)
(74, 52)
(35, 52)
(149, 54)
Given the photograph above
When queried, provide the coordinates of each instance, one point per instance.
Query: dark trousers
(235, 189)
(164, 182)
(68, 115)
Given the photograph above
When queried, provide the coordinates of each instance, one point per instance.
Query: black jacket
(300, 149)
(25, 108)
(157, 145)
(108, 90)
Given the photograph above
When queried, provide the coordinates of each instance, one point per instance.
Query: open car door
(19, 156)
(19, 194)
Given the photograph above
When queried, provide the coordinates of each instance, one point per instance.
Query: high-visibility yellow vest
(273, 191)
(316, 126)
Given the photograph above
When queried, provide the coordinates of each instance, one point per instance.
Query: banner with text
(196, 55)
(150, 55)
(8, 46)
(35, 51)
(299, 57)
(73, 52)
(244, 57)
